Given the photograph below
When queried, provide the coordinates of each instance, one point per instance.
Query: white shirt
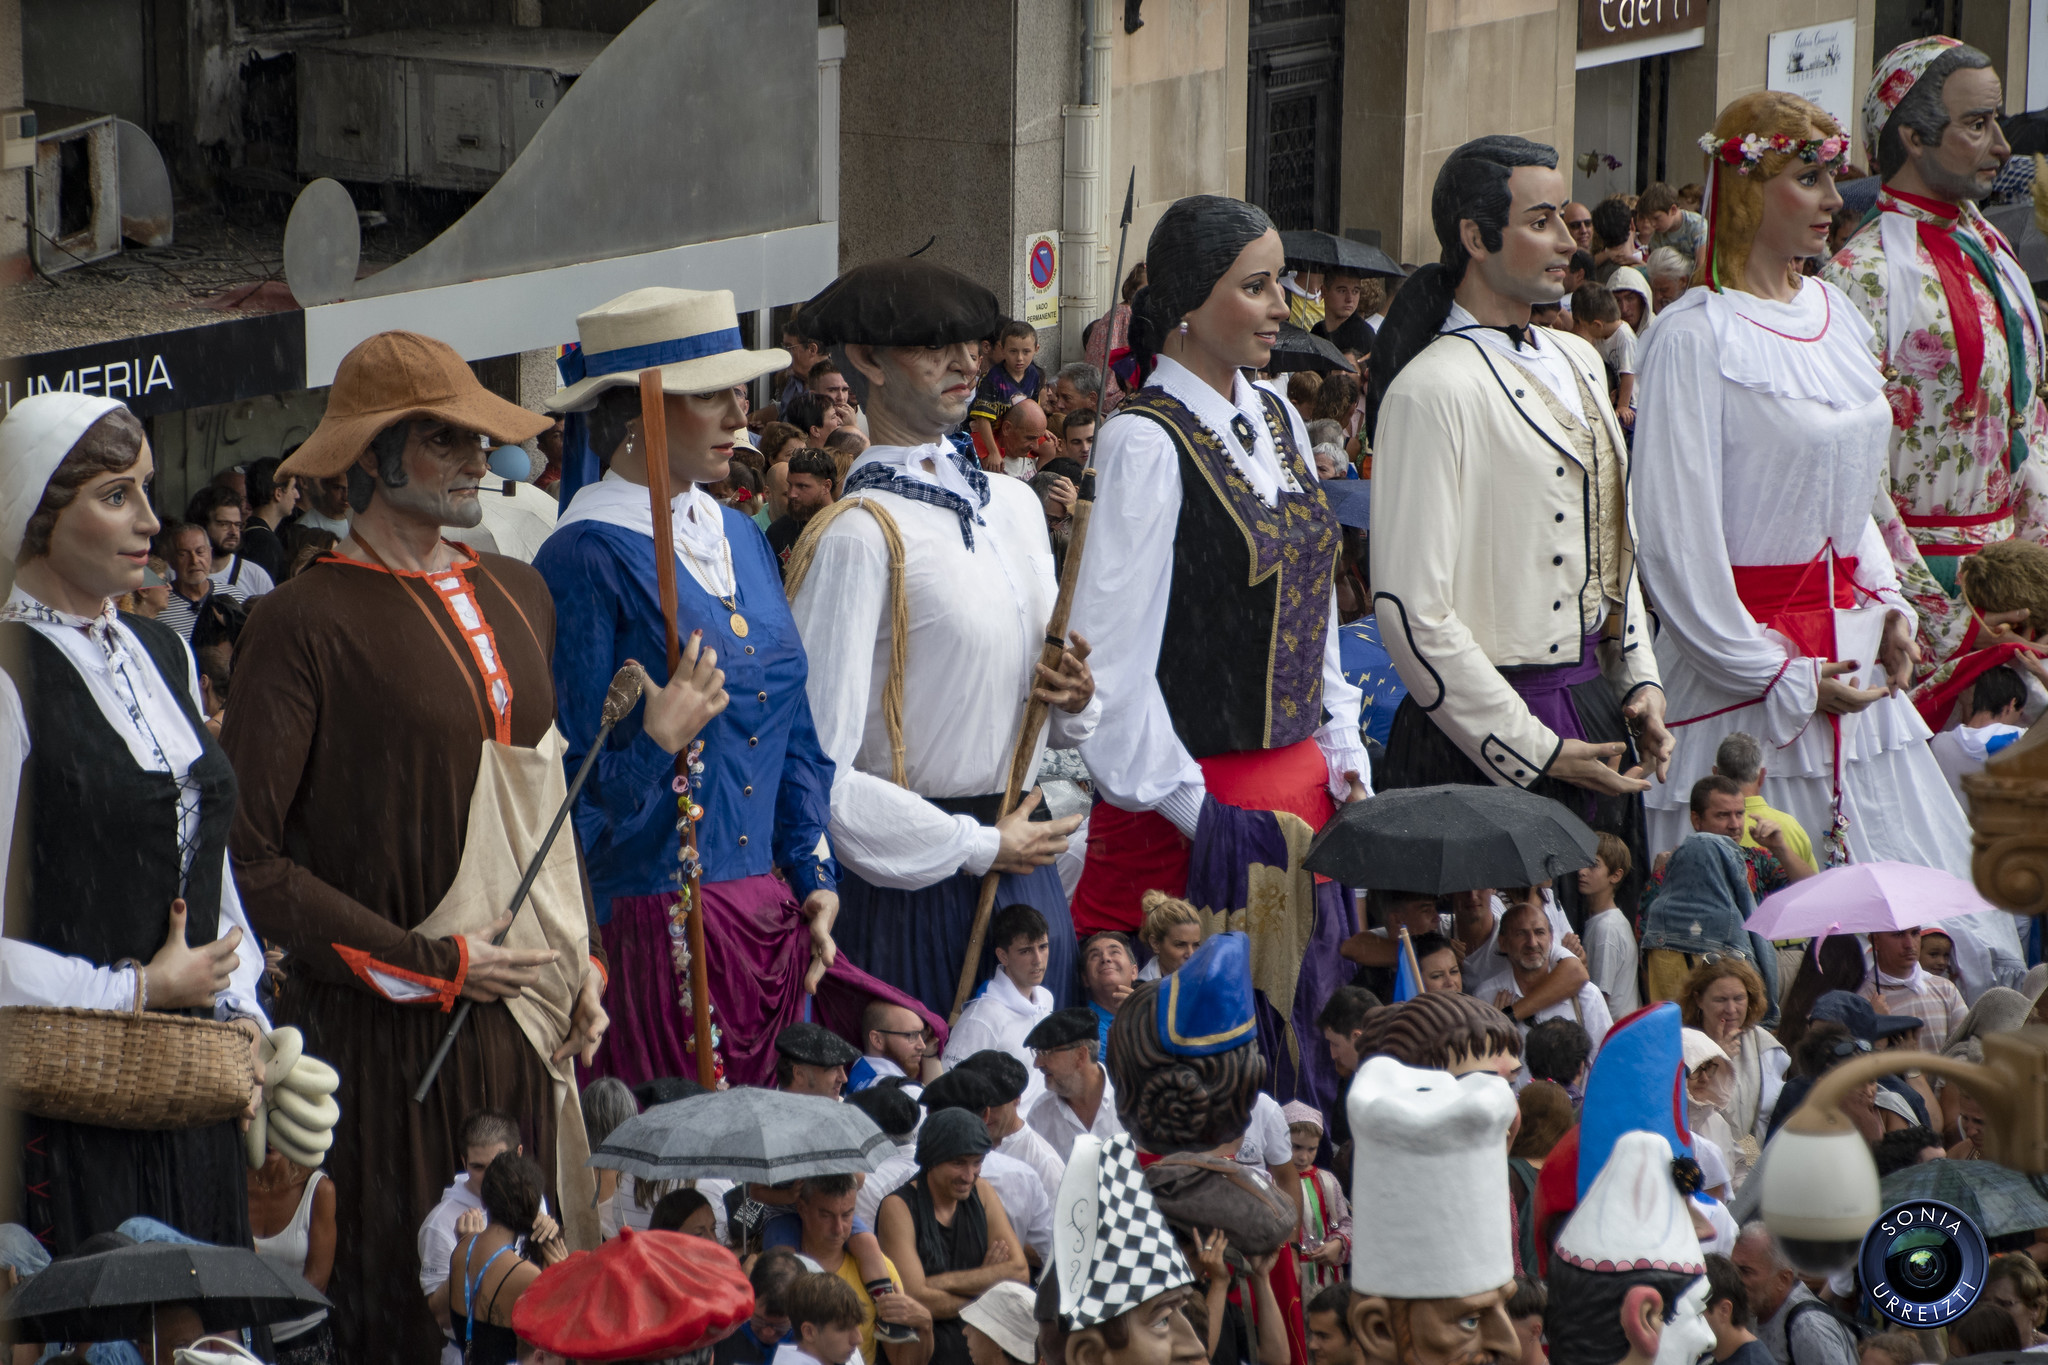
(1024, 1199)
(967, 673)
(999, 1019)
(1541, 356)
(1027, 1146)
(890, 1176)
(137, 702)
(1619, 350)
(518, 523)
(1611, 961)
(788, 1354)
(1267, 1143)
(253, 581)
(1588, 1008)
(1136, 759)
(1963, 750)
(1487, 961)
(1056, 1122)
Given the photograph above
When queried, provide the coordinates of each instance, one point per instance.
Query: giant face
(1473, 1330)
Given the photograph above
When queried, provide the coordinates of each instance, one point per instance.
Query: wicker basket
(154, 1072)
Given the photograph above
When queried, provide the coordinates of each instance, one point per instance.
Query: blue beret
(1206, 1007)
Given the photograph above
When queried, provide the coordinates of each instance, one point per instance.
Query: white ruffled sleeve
(1677, 485)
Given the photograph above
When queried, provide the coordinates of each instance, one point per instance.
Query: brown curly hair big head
(1171, 1103)
(1738, 198)
(1441, 1031)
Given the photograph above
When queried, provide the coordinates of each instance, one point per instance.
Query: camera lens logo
(1923, 1263)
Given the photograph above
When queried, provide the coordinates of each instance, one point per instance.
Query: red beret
(641, 1296)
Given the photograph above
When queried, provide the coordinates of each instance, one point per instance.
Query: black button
(747, 790)
(1520, 773)
(750, 649)
(763, 696)
(1560, 471)
(753, 740)
(1631, 630)
(1518, 393)
(1557, 559)
(1553, 649)
(1557, 606)
(743, 841)
(1560, 516)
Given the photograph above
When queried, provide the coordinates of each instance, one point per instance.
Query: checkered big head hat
(1112, 1248)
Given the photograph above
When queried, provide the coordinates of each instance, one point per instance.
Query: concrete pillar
(14, 218)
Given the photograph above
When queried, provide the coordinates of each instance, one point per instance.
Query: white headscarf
(35, 436)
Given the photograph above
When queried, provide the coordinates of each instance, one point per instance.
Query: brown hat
(394, 376)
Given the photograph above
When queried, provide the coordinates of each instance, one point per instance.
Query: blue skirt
(915, 940)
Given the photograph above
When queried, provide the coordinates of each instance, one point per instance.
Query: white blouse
(133, 697)
(1136, 759)
(977, 619)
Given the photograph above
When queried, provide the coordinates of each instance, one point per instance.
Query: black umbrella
(1453, 838)
(110, 1295)
(1300, 349)
(1308, 249)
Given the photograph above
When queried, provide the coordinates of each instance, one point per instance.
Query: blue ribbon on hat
(580, 464)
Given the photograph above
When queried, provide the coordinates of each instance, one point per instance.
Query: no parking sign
(1042, 279)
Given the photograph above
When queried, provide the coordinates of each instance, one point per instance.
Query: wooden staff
(654, 431)
(1408, 951)
(1027, 732)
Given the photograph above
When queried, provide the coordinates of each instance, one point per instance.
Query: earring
(1183, 326)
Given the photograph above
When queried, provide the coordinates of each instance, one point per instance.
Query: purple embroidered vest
(1241, 658)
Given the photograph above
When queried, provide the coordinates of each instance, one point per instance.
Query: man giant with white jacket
(1503, 553)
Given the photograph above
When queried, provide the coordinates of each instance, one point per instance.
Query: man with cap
(1025, 1197)
(1872, 1032)
(947, 1232)
(812, 1060)
(641, 1296)
(1431, 1165)
(1079, 1097)
(393, 737)
(1012, 1136)
(922, 597)
(1958, 335)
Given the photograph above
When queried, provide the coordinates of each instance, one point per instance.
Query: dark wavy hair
(1195, 241)
(1438, 1029)
(1171, 1103)
(1472, 184)
(1582, 1318)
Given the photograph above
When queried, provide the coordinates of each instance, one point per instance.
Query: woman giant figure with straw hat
(766, 782)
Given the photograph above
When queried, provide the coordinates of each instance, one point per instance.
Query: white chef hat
(1432, 1166)
(35, 436)
(1633, 1217)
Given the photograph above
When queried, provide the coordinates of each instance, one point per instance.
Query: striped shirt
(183, 613)
(1932, 999)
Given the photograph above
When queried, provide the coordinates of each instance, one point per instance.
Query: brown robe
(355, 732)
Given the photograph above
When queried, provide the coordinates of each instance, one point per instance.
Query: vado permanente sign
(1609, 23)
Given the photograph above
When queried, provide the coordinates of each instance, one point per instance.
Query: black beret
(1064, 1029)
(900, 302)
(960, 1089)
(1010, 1077)
(894, 1112)
(815, 1045)
(666, 1090)
(949, 1135)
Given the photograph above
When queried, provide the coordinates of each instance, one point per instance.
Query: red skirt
(1132, 852)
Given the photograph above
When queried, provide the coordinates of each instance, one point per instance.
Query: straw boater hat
(693, 335)
(1429, 1161)
(398, 375)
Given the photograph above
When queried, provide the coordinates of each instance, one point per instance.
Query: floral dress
(1965, 471)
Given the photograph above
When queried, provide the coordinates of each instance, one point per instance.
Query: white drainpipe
(1087, 148)
(831, 53)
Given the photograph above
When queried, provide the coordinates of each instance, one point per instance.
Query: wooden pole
(654, 431)
(1408, 951)
(1027, 731)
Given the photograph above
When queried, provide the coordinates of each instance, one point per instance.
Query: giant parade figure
(1956, 329)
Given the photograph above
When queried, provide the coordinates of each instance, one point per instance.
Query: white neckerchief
(910, 461)
(1911, 981)
(1292, 285)
(1004, 992)
(1541, 358)
(695, 517)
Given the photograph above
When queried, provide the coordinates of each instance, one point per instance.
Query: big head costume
(1228, 726)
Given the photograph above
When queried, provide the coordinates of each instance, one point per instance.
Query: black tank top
(963, 1246)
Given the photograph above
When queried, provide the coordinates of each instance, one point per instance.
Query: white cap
(1432, 1166)
(1004, 1315)
(35, 436)
(1633, 1218)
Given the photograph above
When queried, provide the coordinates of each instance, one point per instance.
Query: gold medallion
(739, 625)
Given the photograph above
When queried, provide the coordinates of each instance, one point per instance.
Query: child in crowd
(1172, 930)
(1323, 1242)
(1610, 939)
(1596, 317)
(1525, 1310)
(824, 1319)
(1014, 375)
(1992, 719)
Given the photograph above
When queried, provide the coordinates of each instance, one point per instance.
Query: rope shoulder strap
(801, 556)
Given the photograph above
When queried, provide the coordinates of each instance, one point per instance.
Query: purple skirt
(757, 948)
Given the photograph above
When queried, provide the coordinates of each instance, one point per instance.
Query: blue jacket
(766, 789)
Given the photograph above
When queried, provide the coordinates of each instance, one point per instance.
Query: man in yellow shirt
(1740, 759)
(825, 1204)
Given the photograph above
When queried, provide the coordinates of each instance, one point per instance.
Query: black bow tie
(1518, 336)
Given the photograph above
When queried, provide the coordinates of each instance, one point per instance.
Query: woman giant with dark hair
(1207, 589)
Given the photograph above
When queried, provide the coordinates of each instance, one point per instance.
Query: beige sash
(517, 794)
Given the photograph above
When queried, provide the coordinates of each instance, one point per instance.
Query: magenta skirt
(758, 949)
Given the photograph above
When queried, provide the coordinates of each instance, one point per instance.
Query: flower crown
(1745, 152)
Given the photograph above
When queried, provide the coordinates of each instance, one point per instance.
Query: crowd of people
(1676, 505)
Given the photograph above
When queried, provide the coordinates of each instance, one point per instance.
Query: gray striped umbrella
(763, 1136)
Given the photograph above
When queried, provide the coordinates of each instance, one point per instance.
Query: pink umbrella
(1864, 898)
